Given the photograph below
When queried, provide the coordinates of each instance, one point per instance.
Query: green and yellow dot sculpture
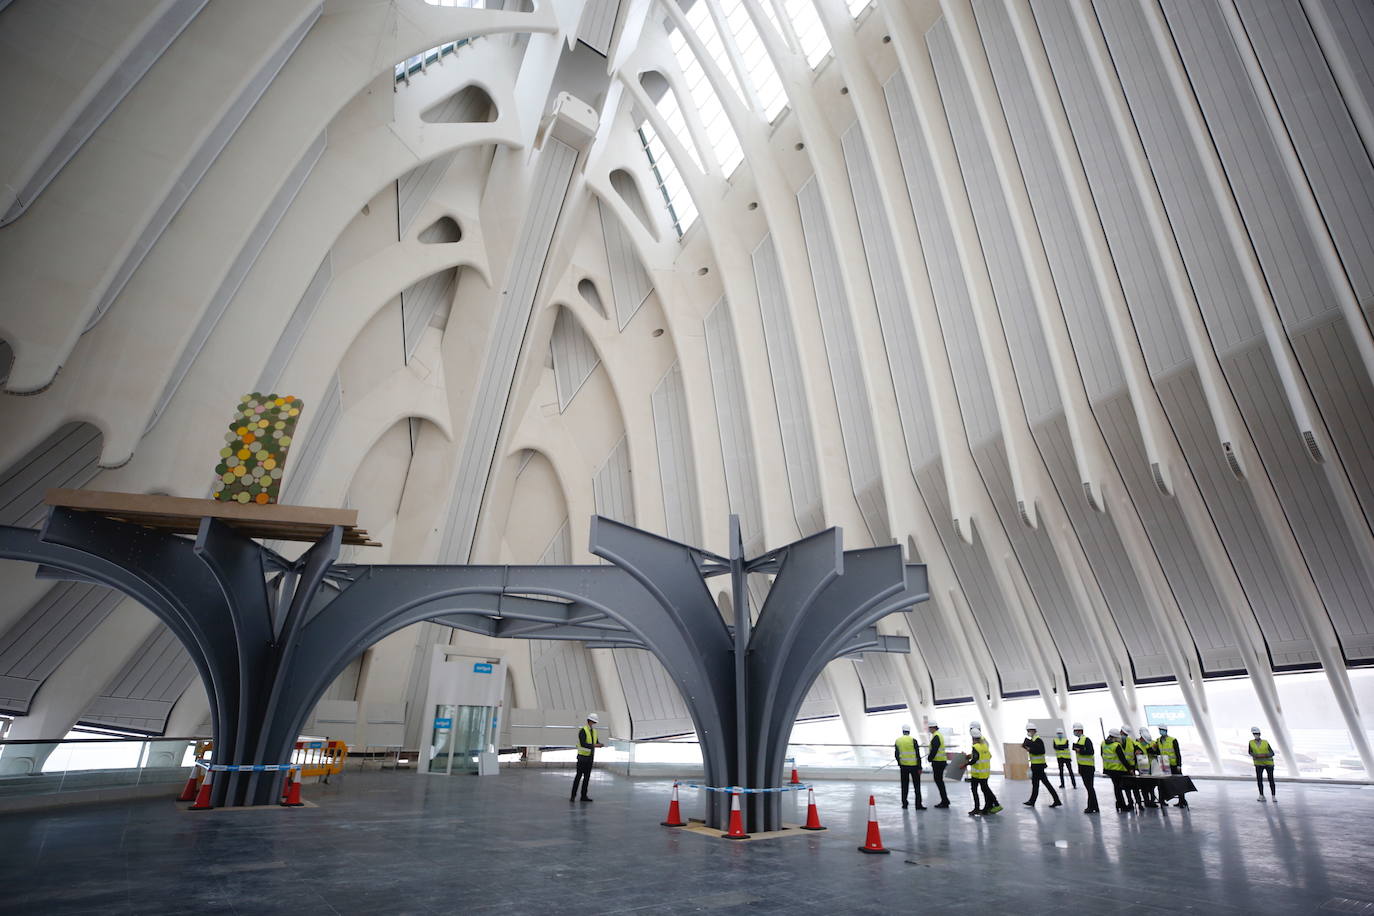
(254, 456)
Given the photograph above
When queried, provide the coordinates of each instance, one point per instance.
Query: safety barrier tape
(246, 767)
(745, 791)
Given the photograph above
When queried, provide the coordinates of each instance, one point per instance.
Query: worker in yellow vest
(1130, 750)
(1083, 754)
(1169, 751)
(1035, 748)
(1145, 745)
(979, 769)
(1115, 766)
(938, 760)
(587, 743)
(1263, 755)
(908, 756)
(1063, 758)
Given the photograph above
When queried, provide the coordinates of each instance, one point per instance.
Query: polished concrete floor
(398, 843)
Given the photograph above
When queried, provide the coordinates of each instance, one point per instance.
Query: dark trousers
(911, 774)
(989, 800)
(1037, 777)
(583, 775)
(937, 768)
(1116, 788)
(1066, 766)
(1260, 772)
(1086, 772)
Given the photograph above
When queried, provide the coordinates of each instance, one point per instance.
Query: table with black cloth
(1168, 786)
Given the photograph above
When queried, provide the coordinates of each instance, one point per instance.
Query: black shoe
(903, 804)
(1127, 808)
(943, 804)
(586, 799)
(1029, 804)
(571, 799)
(1057, 804)
(1089, 810)
(976, 812)
(1061, 785)
(1151, 805)
(920, 807)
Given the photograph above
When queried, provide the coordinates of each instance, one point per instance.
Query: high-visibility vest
(1061, 748)
(1168, 746)
(1037, 758)
(1083, 748)
(1111, 761)
(982, 767)
(907, 755)
(938, 748)
(590, 734)
(1261, 752)
(1129, 745)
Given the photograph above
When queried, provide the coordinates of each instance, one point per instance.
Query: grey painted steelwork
(269, 636)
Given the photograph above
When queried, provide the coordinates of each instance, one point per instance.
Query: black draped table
(1168, 786)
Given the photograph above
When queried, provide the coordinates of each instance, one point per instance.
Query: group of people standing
(1122, 755)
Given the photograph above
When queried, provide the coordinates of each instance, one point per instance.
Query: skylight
(681, 208)
(719, 133)
(756, 59)
(858, 6)
(806, 22)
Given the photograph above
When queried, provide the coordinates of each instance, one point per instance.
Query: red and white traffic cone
(189, 793)
(813, 817)
(796, 781)
(291, 797)
(674, 812)
(203, 796)
(873, 843)
(736, 821)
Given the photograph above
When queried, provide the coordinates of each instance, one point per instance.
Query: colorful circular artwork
(250, 466)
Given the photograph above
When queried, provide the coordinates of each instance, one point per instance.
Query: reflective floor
(399, 843)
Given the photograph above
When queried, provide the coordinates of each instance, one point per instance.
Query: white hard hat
(1059, 732)
(975, 732)
(932, 725)
(1078, 726)
(974, 724)
(1125, 730)
(1163, 729)
(1254, 730)
(1030, 726)
(1145, 733)
(906, 729)
(591, 717)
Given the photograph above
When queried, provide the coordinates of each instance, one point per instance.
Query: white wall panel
(630, 284)
(612, 487)
(39, 642)
(553, 172)
(65, 459)
(1267, 199)
(1336, 162)
(426, 302)
(842, 353)
(736, 432)
(819, 701)
(1010, 284)
(597, 24)
(1197, 225)
(562, 669)
(1117, 200)
(942, 262)
(142, 694)
(681, 507)
(574, 357)
(1343, 391)
(1064, 244)
(880, 681)
(1232, 508)
(295, 328)
(656, 707)
(304, 459)
(797, 442)
(894, 312)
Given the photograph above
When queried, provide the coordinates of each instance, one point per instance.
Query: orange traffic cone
(291, 797)
(736, 821)
(795, 781)
(813, 817)
(203, 796)
(873, 844)
(189, 793)
(674, 812)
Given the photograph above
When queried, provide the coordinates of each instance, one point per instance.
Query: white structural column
(1357, 102)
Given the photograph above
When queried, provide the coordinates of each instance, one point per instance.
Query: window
(858, 6)
(412, 65)
(806, 22)
(756, 60)
(681, 209)
(719, 133)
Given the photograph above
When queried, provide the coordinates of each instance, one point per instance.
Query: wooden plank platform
(182, 516)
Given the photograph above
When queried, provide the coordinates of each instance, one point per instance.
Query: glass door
(441, 739)
(469, 737)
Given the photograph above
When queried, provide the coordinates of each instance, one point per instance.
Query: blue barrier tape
(246, 767)
(690, 785)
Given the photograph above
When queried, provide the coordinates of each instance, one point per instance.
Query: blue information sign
(1168, 715)
(443, 723)
(482, 668)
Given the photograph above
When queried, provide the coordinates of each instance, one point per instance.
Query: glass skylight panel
(704, 25)
(682, 210)
(719, 133)
(672, 114)
(806, 22)
(756, 59)
(858, 6)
